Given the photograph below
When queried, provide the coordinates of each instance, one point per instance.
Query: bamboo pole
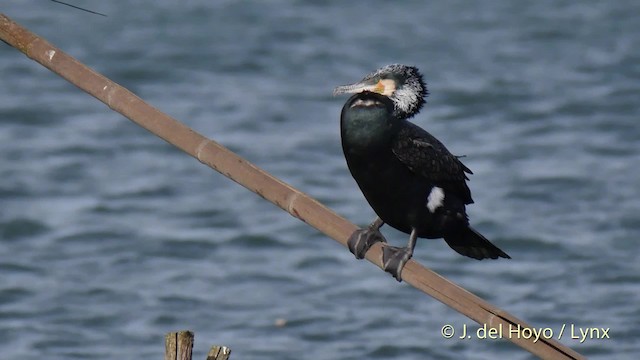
(270, 188)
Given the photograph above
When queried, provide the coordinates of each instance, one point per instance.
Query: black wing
(426, 156)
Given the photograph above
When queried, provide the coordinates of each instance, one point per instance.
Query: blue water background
(110, 237)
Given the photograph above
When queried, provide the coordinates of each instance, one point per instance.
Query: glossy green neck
(367, 123)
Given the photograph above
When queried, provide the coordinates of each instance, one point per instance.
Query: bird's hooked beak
(384, 87)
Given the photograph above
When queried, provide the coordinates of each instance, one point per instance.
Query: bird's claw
(394, 259)
(362, 239)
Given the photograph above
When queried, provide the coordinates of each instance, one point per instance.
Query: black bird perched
(409, 178)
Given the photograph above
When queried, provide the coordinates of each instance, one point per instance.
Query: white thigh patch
(435, 198)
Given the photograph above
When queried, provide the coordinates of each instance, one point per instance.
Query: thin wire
(79, 8)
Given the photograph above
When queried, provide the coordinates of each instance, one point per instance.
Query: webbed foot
(362, 239)
(394, 258)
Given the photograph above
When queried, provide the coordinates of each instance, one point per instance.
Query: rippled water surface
(110, 237)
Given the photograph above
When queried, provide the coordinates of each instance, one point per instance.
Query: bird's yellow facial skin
(385, 87)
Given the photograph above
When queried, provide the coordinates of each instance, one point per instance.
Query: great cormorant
(409, 178)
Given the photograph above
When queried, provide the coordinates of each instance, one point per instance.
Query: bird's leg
(362, 239)
(394, 258)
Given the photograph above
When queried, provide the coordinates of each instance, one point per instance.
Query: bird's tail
(471, 243)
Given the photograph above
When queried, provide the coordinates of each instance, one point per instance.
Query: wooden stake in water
(219, 353)
(178, 345)
(272, 189)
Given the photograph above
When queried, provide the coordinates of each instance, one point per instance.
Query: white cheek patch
(435, 198)
(386, 87)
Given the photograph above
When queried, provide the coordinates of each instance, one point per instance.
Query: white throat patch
(435, 198)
